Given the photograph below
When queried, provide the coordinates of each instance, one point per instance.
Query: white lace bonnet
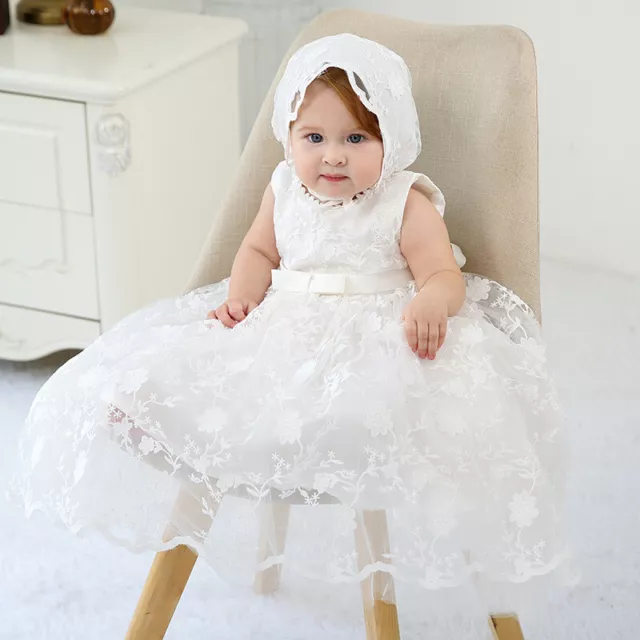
(378, 76)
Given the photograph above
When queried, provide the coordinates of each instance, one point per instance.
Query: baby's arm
(251, 271)
(424, 242)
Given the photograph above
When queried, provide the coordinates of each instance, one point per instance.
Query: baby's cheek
(304, 165)
(368, 176)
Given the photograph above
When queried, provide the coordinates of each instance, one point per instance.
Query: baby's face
(332, 154)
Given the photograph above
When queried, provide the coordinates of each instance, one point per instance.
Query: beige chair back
(476, 92)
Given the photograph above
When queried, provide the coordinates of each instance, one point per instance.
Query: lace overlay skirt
(313, 421)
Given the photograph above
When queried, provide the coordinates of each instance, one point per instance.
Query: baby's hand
(231, 312)
(425, 323)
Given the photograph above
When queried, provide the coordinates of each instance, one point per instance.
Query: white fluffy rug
(54, 586)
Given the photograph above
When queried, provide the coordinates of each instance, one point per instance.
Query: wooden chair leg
(502, 627)
(506, 628)
(378, 591)
(273, 535)
(162, 591)
(167, 578)
(492, 628)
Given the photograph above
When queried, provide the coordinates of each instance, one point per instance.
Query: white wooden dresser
(114, 152)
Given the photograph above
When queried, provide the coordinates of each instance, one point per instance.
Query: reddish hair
(338, 80)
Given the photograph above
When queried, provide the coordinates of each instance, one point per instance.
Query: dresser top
(141, 46)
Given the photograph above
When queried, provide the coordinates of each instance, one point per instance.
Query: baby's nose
(334, 156)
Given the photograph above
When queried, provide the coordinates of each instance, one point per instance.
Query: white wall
(588, 57)
(273, 24)
(589, 109)
(189, 6)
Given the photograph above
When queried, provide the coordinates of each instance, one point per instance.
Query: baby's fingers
(236, 311)
(411, 332)
(423, 339)
(433, 340)
(442, 333)
(222, 313)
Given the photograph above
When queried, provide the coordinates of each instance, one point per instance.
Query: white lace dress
(317, 401)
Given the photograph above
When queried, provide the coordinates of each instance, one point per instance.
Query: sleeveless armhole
(404, 181)
(429, 189)
(279, 179)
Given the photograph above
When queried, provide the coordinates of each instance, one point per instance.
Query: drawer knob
(114, 149)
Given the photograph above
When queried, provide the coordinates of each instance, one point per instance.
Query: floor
(58, 587)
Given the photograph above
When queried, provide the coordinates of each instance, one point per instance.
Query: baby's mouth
(333, 178)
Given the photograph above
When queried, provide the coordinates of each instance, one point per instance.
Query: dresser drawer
(27, 334)
(43, 153)
(47, 260)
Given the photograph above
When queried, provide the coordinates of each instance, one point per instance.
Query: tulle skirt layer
(311, 438)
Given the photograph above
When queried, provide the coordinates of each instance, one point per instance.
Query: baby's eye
(314, 137)
(355, 138)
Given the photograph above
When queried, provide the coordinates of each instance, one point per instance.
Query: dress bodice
(362, 236)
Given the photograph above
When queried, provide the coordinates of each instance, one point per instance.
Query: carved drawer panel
(26, 334)
(43, 153)
(47, 253)
(47, 260)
